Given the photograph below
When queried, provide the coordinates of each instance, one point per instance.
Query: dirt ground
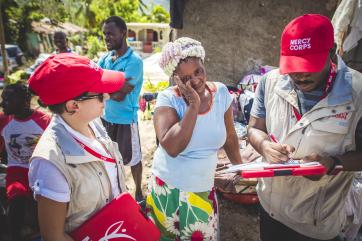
(237, 222)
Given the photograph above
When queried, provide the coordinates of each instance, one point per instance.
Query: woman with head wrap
(193, 120)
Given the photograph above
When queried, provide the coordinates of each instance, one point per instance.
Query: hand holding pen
(275, 152)
(288, 148)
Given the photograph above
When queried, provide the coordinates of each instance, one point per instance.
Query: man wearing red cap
(314, 108)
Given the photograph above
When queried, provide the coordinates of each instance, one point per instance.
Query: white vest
(312, 208)
(86, 175)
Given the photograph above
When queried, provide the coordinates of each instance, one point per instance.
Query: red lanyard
(94, 153)
(327, 89)
(296, 114)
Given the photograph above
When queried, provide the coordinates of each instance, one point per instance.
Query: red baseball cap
(62, 77)
(305, 44)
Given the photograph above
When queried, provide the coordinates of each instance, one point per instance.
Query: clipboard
(290, 170)
(264, 169)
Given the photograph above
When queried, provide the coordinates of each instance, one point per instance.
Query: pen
(275, 140)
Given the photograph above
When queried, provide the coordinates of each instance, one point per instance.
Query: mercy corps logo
(300, 44)
(113, 235)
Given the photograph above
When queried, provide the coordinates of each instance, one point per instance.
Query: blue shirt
(193, 169)
(306, 100)
(125, 111)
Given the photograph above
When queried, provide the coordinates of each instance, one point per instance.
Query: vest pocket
(324, 136)
(331, 126)
(299, 204)
(317, 209)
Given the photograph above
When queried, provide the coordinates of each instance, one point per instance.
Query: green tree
(19, 14)
(80, 12)
(127, 9)
(159, 15)
(94, 46)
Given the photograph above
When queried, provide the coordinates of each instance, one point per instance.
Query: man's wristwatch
(337, 166)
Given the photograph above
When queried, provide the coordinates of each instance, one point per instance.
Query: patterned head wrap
(181, 48)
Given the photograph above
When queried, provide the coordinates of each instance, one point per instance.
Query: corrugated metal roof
(48, 28)
(148, 25)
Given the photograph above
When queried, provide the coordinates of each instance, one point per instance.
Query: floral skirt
(182, 215)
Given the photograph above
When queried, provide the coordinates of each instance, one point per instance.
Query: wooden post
(2, 43)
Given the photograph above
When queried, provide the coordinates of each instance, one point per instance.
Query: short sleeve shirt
(21, 136)
(194, 168)
(46, 180)
(125, 111)
(306, 103)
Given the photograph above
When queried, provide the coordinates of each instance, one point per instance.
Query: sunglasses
(100, 97)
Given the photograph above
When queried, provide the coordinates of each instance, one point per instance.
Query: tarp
(152, 71)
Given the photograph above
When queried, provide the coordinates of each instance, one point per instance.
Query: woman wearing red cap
(75, 170)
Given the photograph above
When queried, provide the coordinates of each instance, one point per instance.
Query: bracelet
(337, 166)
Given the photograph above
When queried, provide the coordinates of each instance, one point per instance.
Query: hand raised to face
(189, 94)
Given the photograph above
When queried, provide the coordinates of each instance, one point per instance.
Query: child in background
(21, 128)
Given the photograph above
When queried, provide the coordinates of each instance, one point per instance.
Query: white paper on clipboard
(258, 164)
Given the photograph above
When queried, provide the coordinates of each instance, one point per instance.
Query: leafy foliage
(155, 88)
(18, 76)
(18, 15)
(159, 15)
(94, 46)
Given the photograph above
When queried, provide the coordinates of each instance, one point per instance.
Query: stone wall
(237, 34)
